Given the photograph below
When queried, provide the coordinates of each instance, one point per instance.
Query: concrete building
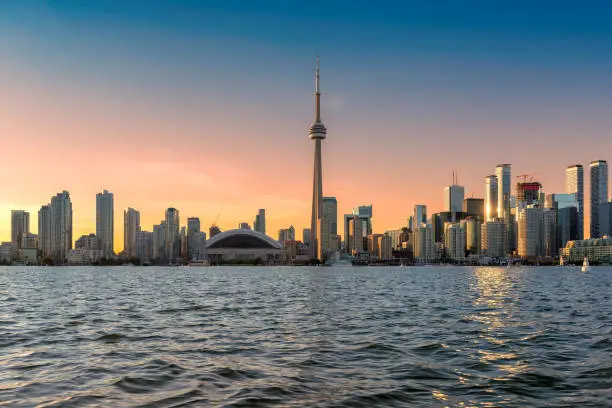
(454, 241)
(7, 252)
(356, 239)
(61, 227)
(159, 241)
(574, 184)
(490, 197)
(453, 198)
(84, 256)
(424, 247)
(537, 232)
(244, 225)
(318, 133)
(503, 174)
(364, 212)
(260, 221)
(172, 229)
(493, 237)
(306, 236)
(374, 242)
(143, 246)
(105, 221)
(396, 238)
(44, 231)
(29, 241)
(329, 227)
(87, 242)
(131, 227)
(528, 193)
(20, 226)
(419, 216)
(474, 207)
(599, 193)
(385, 252)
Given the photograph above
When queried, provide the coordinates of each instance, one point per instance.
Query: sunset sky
(205, 105)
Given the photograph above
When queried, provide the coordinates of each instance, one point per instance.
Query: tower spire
(317, 95)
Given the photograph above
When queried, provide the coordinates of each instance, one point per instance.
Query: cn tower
(317, 133)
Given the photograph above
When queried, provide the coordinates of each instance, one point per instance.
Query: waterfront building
(20, 226)
(574, 184)
(61, 227)
(29, 241)
(131, 226)
(356, 241)
(105, 220)
(385, 252)
(536, 232)
(246, 246)
(419, 216)
(306, 236)
(493, 238)
(172, 229)
(374, 242)
(259, 224)
(44, 231)
(599, 193)
(453, 198)
(491, 186)
(474, 207)
(396, 238)
(454, 241)
(597, 250)
(84, 256)
(317, 133)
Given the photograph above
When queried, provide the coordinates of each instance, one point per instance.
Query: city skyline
(116, 127)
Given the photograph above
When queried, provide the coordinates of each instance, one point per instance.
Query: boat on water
(198, 263)
(562, 261)
(585, 265)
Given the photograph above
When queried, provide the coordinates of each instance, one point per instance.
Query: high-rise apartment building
(419, 216)
(565, 207)
(20, 226)
(172, 229)
(61, 227)
(44, 231)
(105, 219)
(286, 234)
(424, 247)
(260, 221)
(454, 241)
(453, 198)
(574, 184)
(528, 193)
(605, 219)
(131, 226)
(491, 193)
(493, 238)
(306, 236)
(599, 193)
(143, 248)
(471, 225)
(356, 235)
(503, 174)
(329, 226)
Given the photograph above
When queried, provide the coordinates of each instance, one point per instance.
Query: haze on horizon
(205, 105)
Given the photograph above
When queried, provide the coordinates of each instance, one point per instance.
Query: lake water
(305, 337)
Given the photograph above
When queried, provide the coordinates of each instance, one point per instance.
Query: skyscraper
(260, 221)
(131, 226)
(20, 227)
(474, 207)
(105, 218)
(44, 231)
(491, 197)
(453, 198)
(503, 173)
(317, 133)
(159, 241)
(599, 193)
(419, 216)
(574, 184)
(61, 227)
(173, 243)
(329, 226)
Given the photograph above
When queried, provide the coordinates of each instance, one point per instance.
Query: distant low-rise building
(596, 250)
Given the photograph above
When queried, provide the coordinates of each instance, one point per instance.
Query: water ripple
(295, 337)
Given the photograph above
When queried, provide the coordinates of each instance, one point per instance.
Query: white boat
(562, 261)
(585, 265)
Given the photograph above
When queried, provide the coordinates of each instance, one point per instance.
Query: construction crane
(214, 223)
